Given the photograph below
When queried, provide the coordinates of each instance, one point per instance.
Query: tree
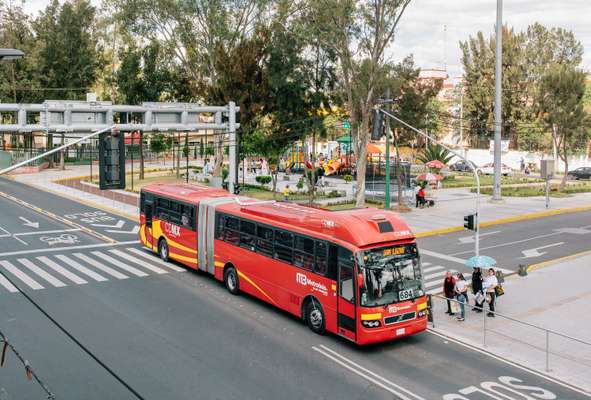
(435, 152)
(157, 144)
(359, 32)
(562, 89)
(68, 51)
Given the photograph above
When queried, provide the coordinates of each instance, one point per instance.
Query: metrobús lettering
(171, 229)
(303, 280)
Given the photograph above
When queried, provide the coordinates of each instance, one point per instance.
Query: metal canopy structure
(90, 117)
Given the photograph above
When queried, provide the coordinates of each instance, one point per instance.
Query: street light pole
(387, 183)
(470, 165)
(498, 102)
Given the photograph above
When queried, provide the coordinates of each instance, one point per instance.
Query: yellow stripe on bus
(157, 232)
(421, 306)
(371, 317)
(183, 258)
(247, 279)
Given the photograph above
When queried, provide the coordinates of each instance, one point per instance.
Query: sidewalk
(555, 297)
(451, 204)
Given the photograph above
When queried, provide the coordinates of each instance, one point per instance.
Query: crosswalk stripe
(80, 268)
(155, 259)
(425, 264)
(119, 264)
(430, 269)
(434, 283)
(61, 270)
(9, 286)
(100, 266)
(32, 283)
(129, 257)
(435, 275)
(434, 291)
(49, 278)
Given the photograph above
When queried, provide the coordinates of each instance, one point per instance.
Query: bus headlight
(422, 313)
(371, 324)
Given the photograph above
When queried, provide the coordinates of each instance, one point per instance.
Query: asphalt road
(176, 334)
(525, 242)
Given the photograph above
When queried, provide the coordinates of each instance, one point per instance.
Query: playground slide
(331, 168)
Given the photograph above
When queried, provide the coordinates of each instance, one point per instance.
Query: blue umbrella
(481, 262)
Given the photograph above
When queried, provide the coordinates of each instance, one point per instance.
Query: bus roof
(359, 227)
(184, 191)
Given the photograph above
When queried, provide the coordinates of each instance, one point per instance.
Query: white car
(489, 169)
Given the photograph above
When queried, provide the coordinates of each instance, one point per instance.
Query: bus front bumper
(390, 332)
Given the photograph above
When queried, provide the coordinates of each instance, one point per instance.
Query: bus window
(303, 255)
(321, 265)
(332, 262)
(284, 246)
(264, 244)
(229, 230)
(247, 231)
(346, 288)
(187, 216)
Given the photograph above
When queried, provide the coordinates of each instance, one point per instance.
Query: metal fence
(515, 333)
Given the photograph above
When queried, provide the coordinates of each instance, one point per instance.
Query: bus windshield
(390, 275)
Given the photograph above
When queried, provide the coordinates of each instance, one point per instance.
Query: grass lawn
(529, 191)
(459, 181)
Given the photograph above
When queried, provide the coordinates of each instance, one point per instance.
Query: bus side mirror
(360, 281)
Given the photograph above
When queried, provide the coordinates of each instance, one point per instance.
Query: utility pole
(498, 102)
(387, 188)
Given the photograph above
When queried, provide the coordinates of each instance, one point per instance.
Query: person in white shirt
(461, 295)
(489, 285)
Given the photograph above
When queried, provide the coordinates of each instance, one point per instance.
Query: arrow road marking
(574, 231)
(118, 225)
(29, 223)
(470, 239)
(529, 253)
(134, 231)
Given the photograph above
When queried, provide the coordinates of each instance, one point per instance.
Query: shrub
(263, 179)
(300, 184)
(348, 178)
(333, 193)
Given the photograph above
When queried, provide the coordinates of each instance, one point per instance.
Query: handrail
(521, 322)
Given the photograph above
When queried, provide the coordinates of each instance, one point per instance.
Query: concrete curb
(548, 263)
(523, 217)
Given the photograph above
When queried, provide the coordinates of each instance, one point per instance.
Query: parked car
(580, 173)
(462, 166)
(489, 169)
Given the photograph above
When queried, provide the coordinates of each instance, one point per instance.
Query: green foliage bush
(300, 184)
(348, 178)
(333, 193)
(263, 179)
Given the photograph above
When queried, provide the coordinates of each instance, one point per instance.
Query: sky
(421, 30)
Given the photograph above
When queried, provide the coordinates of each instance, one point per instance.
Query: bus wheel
(315, 317)
(163, 249)
(231, 280)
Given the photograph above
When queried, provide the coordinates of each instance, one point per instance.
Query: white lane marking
(49, 278)
(9, 286)
(61, 270)
(20, 240)
(118, 225)
(508, 243)
(84, 246)
(371, 376)
(511, 363)
(529, 253)
(129, 257)
(80, 268)
(425, 264)
(133, 230)
(430, 269)
(119, 264)
(471, 239)
(100, 266)
(155, 259)
(435, 291)
(45, 232)
(436, 275)
(33, 284)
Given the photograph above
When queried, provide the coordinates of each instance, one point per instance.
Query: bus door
(148, 214)
(346, 298)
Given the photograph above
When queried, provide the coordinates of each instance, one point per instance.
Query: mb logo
(301, 279)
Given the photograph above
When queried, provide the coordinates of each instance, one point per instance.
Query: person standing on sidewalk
(449, 285)
(477, 288)
(461, 291)
(490, 283)
(286, 193)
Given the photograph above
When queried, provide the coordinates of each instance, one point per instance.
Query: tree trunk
(219, 154)
(565, 159)
(274, 181)
(361, 158)
(398, 176)
(141, 155)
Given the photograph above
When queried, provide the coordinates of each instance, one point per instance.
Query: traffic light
(470, 222)
(377, 124)
(112, 160)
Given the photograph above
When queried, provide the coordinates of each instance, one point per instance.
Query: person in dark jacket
(449, 285)
(476, 288)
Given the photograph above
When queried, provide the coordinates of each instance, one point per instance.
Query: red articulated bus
(355, 273)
